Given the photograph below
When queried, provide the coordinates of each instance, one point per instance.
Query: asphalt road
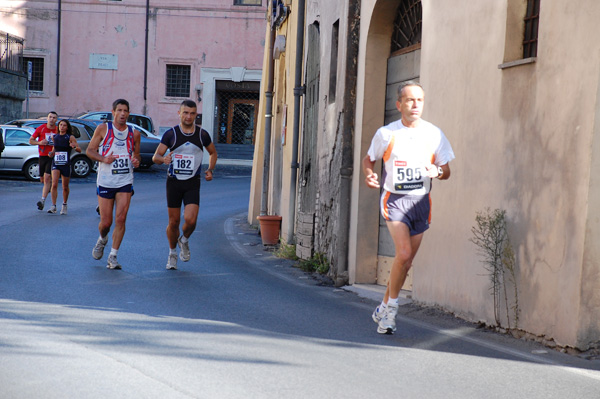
(234, 322)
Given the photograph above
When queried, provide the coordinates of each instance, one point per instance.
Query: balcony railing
(11, 53)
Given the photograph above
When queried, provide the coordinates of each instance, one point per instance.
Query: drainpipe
(352, 39)
(268, 119)
(298, 93)
(58, 48)
(146, 56)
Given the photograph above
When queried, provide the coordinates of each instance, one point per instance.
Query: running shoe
(184, 254)
(40, 204)
(112, 263)
(378, 314)
(52, 209)
(63, 209)
(387, 324)
(172, 262)
(98, 250)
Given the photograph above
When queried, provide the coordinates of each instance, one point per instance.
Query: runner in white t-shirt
(413, 152)
(116, 147)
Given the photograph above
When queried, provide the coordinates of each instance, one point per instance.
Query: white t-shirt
(405, 153)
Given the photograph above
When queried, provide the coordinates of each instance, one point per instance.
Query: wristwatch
(440, 172)
(210, 170)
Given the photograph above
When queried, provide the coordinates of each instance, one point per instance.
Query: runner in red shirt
(43, 139)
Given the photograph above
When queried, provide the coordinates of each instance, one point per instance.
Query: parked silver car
(83, 130)
(18, 155)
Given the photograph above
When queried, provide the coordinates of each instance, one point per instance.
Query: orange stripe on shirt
(388, 150)
(430, 204)
(384, 206)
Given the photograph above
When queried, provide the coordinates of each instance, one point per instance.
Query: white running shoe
(378, 314)
(112, 263)
(172, 262)
(387, 324)
(98, 250)
(52, 209)
(184, 247)
(63, 209)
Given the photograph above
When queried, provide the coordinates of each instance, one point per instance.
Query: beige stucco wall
(524, 139)
(280, 150)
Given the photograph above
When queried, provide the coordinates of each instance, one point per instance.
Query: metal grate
(237, 111)
(407, 25)
(532, 21)
(37, 73)
(11, 50)
(178, 80)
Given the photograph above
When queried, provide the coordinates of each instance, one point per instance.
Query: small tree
(494, 247)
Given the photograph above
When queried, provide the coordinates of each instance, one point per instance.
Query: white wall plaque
(104, 61)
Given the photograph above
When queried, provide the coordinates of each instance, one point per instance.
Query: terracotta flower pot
(270, 225)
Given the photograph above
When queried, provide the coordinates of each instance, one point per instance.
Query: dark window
(247, 2)
(178, 80)
(532, 21)
(334, 61)
(407, 25)
(37, 73)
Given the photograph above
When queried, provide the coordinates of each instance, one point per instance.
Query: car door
(17, 148)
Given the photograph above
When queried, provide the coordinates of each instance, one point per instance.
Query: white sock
(382, 306)
(172, 251)
(392, 301)
(183, 239)
(113, 252)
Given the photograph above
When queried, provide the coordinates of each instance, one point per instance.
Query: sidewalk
(247, 240)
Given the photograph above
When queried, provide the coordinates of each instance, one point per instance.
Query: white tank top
(120, 172)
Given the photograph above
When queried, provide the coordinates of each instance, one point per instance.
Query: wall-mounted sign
(104, 61)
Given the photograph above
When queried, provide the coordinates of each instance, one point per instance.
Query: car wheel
(81, 166)
(32, 170)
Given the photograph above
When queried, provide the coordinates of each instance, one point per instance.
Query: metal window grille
(407, 25)
(237, 111)
(11, 50)
(178, 80)
(37, 73)
(532, 21)
(247, 2)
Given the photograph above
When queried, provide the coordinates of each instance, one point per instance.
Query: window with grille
(237, 112)
(178, 80)
(532, 20)
(407, 25)
(37, 72)
(247, 2)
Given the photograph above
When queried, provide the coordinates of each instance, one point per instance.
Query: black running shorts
(186, 191)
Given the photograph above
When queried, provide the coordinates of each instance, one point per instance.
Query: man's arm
(136, 159)
(446, 172)
(372, 179)
(33, 140)
(159, 155)
(212, 162)
(92, 150)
